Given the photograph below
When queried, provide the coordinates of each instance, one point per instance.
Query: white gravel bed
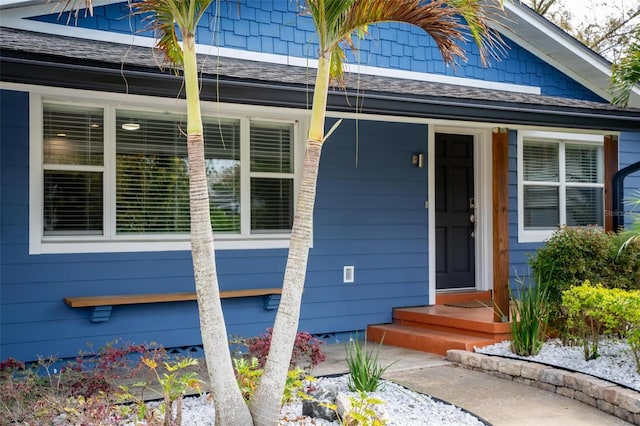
(615, 363)
(403, 407)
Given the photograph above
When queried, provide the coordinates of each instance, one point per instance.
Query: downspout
(618, 194)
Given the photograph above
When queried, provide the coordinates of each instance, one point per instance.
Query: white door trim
(483, 198)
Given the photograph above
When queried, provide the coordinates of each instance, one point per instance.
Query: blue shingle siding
(277, 28)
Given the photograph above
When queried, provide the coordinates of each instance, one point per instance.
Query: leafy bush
(574, 255)
(530, 317)
(83, 391)
(248, 374)
(593, 311)
(365, 371)
(305, 345)
(632, 235)
(360, 411)
(174, 384)
(627, 259)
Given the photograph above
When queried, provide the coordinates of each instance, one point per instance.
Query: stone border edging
(605, 396)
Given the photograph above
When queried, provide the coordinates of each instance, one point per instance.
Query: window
(115, 177)
(561, 183)
(73, 169)
(152, 174)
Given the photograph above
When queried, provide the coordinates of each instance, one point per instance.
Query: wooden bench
(102, 305)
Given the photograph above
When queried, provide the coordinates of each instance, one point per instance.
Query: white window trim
(111, 243)
(538, 236)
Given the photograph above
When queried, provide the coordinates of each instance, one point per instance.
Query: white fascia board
(17, 18)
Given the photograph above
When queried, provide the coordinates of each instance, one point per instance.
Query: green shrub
(530, 317)
(632, 235)
(248, 375)
(574, 255)
(360, 411)
(593, 311)
(627, 260)
(571, 256)
(365, 371)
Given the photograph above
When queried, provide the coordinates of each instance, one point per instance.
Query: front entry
(455, 205)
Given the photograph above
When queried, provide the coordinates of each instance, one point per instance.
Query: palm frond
(626, 74)
(171, 21)
(447, 21)
(74, 7)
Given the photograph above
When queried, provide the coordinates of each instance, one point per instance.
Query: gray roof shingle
(71, 48)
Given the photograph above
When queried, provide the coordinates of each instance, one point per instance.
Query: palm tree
(626, 73)
(337, 21)
(168, 19)
(172, 21)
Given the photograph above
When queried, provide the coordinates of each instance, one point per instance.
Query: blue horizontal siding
(629, 146)
(519, 253)
(277, 27)
(363, 219)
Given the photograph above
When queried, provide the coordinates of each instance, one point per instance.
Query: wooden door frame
(483, 198)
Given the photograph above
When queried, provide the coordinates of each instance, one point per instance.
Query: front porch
(449, 324)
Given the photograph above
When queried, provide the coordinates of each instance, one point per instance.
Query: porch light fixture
(417, 160)
(130, 126)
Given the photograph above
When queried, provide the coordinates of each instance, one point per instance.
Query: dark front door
(455, 254)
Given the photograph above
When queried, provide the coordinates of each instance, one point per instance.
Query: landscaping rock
(314, 407)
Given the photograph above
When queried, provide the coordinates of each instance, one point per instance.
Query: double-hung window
(560, 183)
(116, 178)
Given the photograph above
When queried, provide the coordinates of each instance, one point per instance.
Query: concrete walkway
(500, 402)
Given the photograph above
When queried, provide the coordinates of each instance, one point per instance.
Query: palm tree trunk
(265, 405)
(229, 405)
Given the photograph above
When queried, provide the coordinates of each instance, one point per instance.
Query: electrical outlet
(348, 275)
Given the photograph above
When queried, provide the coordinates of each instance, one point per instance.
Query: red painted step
(439, 328)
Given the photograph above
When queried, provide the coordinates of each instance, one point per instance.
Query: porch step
(439, 328)
(432, 341)
(462, 296)
(471, 321)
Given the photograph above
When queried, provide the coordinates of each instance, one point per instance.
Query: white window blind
(541, 207)
(73, 160)
(584, 163)
(541, 162)
(585, 206)
(152, 173)
(562, 184)
(115, 176)
(271, 176)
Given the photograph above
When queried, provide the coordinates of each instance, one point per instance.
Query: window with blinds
(152, 173)
(136, 161)
(271, 177)
(73, 169)
(562, 184)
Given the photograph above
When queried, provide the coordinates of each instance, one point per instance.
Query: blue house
(437, 180)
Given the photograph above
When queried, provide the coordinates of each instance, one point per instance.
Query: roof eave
(142, 81)
(559, 49)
